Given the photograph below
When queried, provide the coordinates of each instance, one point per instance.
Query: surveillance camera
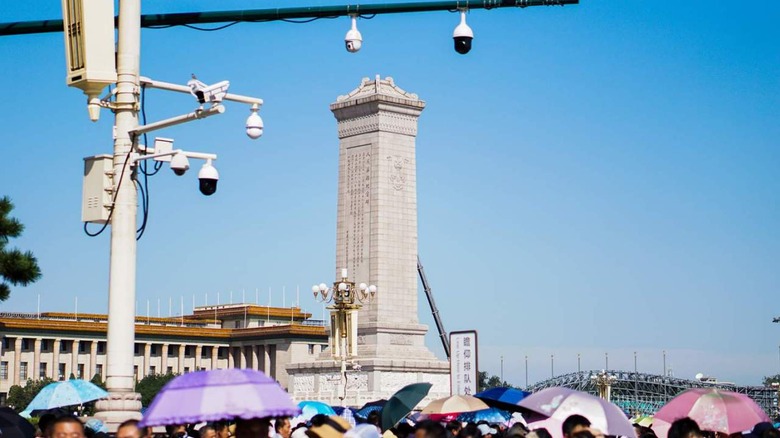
(208, 93)
(208, 177)
(180, 164)
(463, 35)
(353, 41)
(254, 124)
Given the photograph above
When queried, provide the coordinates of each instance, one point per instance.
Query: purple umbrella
(554, 405)
(219, 395)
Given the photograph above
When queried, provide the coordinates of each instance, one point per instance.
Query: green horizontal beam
(276, 14)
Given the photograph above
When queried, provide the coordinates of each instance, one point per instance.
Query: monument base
(366, 380)
(117, 408)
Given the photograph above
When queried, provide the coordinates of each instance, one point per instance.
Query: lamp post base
(117, 408)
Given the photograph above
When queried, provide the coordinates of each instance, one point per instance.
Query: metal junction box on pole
(97, 189)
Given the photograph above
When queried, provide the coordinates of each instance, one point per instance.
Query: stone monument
(377, 244)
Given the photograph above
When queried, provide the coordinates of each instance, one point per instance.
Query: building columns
(242, 356)
(36, 368)
(17, 360)
(214, 357)
(147, 360)
(74, 355)
(181, 358)
(93, 359)
(198, 353)
(255, 357)
(267, 360)
(164, 359)
(55, 366)
(231, 359)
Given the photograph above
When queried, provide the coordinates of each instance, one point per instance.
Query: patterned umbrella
(310, 408)
(455, 404)
(65, 393)
(219, 395)
(713, 409)
(491, 415)
(502, 398)
(555, 405)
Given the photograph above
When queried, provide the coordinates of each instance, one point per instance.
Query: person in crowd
(518, 430)
(429, 429)
(375, 418)
(539, 433)
(130, 429)
(453, 427)
(486, 431)
(253, 428)
(573, 424)
(323, 426)
(207, 431)
(469, 431)
(402, 430)
(222, 428)
(282, 427)
(176, 431)
(584, 433)
(364, 430)
(685, 428)
(45, 422)
(66, 427)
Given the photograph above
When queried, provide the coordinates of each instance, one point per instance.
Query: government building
(56, 345)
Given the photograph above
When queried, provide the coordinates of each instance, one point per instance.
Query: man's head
(222, 429)
(129, 429)
(206, 432)
(575, 423)
(429, 429)
(282, 427)
(67, 427)
(684, 428)
(254, 428)
(375, 418)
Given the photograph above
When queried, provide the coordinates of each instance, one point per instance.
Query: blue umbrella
(503, 398)
(363, 412)
(310, 408)
(491, 415)
(65, 393)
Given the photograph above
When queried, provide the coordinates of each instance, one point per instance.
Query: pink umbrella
(712, 409)
(555, 405)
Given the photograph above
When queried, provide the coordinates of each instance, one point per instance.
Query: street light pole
(347, 299)
(122, 403)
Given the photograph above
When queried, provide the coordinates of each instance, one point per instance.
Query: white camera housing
(180, 164)
(463, 35)
(254, 124)
(354, 40)
(207, 179)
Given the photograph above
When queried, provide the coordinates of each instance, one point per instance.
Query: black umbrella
(13, 425)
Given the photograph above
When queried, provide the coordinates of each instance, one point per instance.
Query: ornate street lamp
(347, 298)
(604, 381)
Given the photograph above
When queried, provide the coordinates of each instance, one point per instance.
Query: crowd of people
(324, 426)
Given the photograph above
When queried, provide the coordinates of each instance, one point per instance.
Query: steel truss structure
(643, 394)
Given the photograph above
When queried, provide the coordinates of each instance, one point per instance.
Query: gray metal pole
(275, 14)
(123, 403)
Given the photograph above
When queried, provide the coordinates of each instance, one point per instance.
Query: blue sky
(593, 178)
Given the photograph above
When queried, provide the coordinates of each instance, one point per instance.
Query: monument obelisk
(377, 243)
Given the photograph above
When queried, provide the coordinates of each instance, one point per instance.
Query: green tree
(16, 267)
(21, 396)
(150, 385)
(769, 380)
(487, 381)
(97, 380)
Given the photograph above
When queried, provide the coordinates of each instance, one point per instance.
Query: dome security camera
(208, 177)
(463, 35)
(254, 124)
(354, 40)
(180, 164)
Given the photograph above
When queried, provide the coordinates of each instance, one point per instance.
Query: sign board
(463, 363)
